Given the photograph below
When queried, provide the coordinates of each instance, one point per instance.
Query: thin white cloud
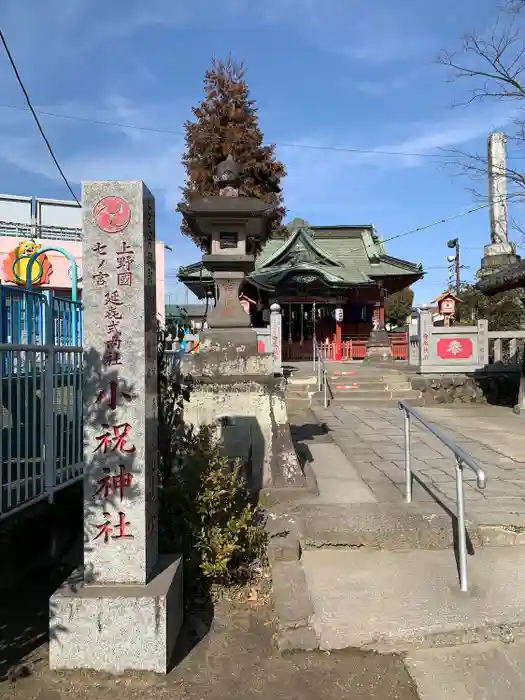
(110, 153)
(460, 129)
(374, 32)
(313, 175)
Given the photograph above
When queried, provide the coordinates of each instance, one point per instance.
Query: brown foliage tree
(226, 123)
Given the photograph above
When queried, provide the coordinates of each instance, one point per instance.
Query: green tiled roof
(343, 255)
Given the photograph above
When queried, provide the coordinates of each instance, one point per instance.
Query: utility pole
(455, 268)
(455, 260)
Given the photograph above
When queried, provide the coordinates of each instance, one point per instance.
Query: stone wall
(481, 387)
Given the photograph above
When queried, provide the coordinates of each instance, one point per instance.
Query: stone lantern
(234, 383)
(230, 227)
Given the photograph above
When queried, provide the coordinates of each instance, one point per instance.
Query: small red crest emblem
(112, 214)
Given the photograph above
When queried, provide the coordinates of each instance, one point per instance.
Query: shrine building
(311, 273)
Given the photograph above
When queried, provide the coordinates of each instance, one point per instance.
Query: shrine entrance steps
(357, 567)
(354, 384)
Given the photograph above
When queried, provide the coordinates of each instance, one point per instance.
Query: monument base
(496, 256)
(225, 352)
(117, 628)
(378, 347)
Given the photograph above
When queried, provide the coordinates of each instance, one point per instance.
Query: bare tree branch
(495, 67)
(514, 6)
(497, 63)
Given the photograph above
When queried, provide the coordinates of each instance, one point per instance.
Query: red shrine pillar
(337, 347)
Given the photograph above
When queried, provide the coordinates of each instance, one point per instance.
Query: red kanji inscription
(112, 214)
(454, 348)
(113, 482)
(114, 440)
(115, 532)
(124, 279)
(110, 397)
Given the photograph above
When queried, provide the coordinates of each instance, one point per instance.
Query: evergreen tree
(226, 123)
(504, 312)
(398, 307)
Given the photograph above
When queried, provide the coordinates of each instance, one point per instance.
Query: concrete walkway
(337, 480)
(373, 441)
(378, 574)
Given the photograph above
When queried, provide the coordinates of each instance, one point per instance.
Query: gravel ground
(235, 659)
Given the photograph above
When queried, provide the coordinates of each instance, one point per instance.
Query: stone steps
(389, 526)
(404, 600)
(371, 392)
(381, 387)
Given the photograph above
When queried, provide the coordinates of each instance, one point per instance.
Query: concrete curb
(293, 607)
(378, 526)
(291, 598)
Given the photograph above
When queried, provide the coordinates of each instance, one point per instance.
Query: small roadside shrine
(447, 307)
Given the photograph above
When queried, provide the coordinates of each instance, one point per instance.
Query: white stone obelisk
(500, 251)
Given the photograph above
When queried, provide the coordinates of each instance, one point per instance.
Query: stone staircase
(354, 384)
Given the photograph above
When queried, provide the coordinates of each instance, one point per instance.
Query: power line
(35, 116)
(179, 133)
(173, 132)
(447, 219)
(436, 223)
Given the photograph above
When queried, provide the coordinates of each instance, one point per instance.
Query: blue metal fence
(39, 318)
(41, 449)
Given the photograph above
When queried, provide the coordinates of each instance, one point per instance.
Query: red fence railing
(351, 349)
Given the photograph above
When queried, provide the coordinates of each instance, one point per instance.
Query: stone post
(127, 610)
(276, 334)
(483, 342)
(413, 341)
(425, 332)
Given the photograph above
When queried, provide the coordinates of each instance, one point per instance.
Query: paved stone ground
(237, 659)
(373, 440)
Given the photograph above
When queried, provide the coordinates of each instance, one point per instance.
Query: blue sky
(325, 73)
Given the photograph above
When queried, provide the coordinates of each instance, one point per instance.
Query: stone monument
(378, 348)
(500, 252)
(234, 384)
(127, 610)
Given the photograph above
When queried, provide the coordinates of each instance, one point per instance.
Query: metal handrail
(320, 372)
(462, 460)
